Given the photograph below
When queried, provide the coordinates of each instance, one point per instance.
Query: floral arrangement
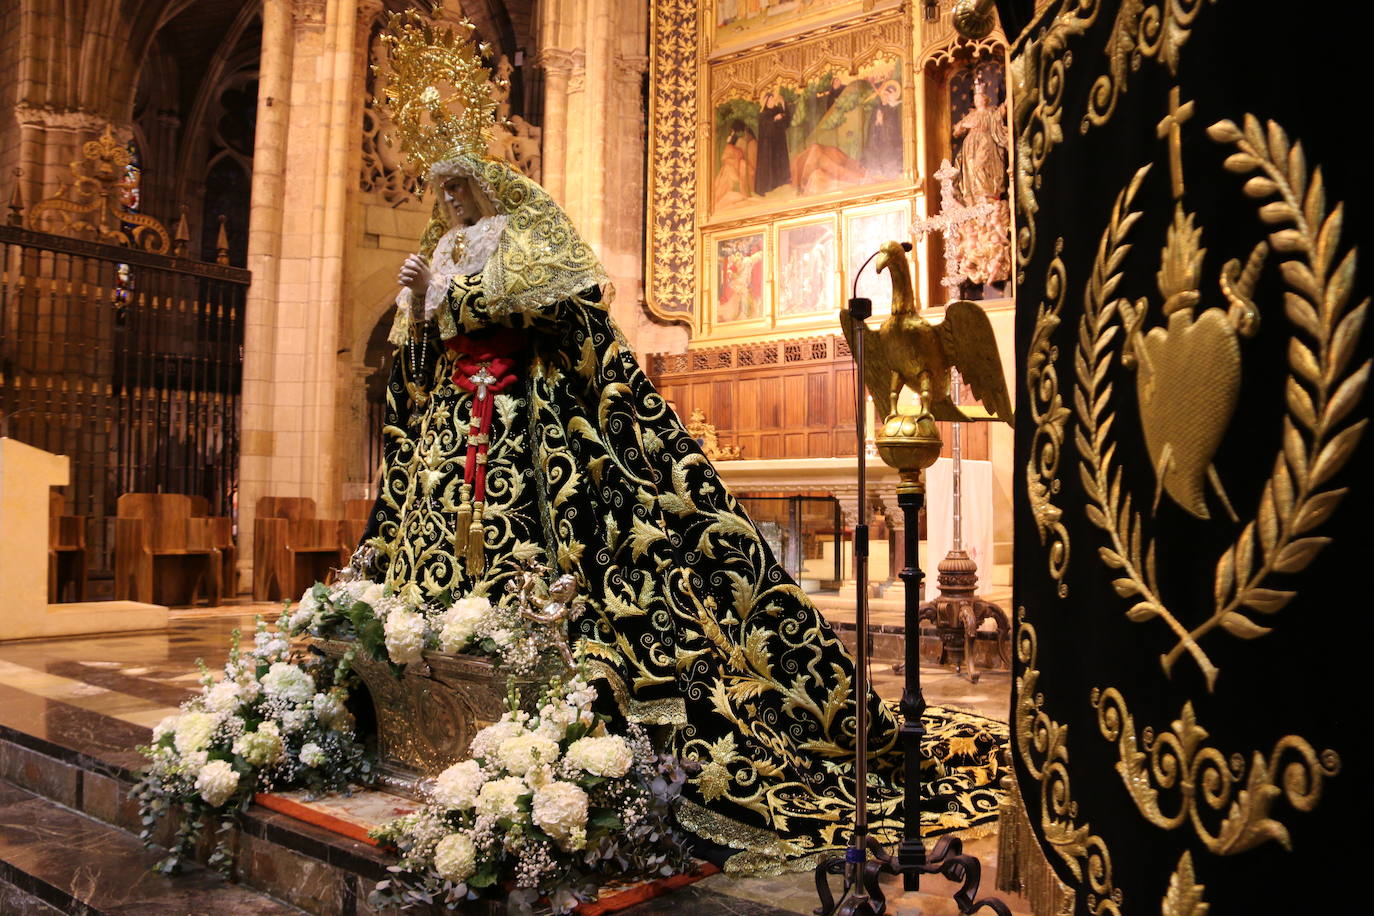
(400, 628)
(550, 806)
(271, 722)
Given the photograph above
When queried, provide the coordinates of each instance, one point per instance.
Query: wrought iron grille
(130, 363)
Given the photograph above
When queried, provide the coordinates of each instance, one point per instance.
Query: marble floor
(98, 697)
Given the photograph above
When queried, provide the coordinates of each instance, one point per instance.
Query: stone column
(301, 184)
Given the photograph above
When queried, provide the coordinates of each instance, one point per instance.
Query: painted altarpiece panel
(807, 268)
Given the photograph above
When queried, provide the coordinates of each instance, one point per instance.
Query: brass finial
(182, 240)
(222, 243)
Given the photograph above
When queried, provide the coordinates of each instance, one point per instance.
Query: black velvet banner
(1192, 542)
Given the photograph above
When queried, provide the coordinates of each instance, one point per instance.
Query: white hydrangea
(523, 752)
(288, 682)
(455, 857)
(457, 787)
(166, 727)
(560, 810)
(193, 731)
(312, 755)
(486, 742)
(608, 756)
(461, 622)
(498, 798)
(216, 781)
(224, 697)
(405, 636)
(262, 746)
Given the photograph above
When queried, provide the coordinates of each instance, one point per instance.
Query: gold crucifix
(1170, 127)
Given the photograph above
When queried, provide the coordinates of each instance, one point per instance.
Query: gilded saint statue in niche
(979, 137)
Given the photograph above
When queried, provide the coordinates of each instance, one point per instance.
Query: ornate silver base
(427, 717)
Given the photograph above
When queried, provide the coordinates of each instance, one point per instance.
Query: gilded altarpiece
(773, 138)
(1191, 645)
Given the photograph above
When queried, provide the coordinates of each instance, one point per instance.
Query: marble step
(54, 860)
(82, 763)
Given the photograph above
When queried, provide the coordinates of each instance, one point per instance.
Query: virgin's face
(458, 195)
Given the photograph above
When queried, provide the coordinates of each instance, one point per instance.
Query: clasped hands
(415, 275)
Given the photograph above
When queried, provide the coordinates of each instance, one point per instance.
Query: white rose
(560, 810)
(609, 756)
(216, 781)
(457, 787)
(193, 731)
(166, 727)
(223, 697)
(523, 752)
(312, 755)
(455, 857)
(288, 682)
(498, 798)
(405, 636)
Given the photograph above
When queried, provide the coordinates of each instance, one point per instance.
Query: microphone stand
(862, 895)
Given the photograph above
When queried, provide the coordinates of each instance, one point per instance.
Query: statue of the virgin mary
(519, 426)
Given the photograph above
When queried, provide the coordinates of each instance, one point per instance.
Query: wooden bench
(292, 549)
(66, 552)
(164, 553)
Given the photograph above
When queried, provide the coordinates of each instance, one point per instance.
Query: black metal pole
(911, 854)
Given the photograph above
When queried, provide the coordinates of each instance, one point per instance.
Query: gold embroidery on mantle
(1050, 416)
(1038, 79)
(1207, 780)
(1184, 897)
(1141, 30)
(1320, 393)
(1042, 743)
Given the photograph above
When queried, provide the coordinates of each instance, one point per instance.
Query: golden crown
(438, 97)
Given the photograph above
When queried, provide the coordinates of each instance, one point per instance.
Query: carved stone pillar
(558, 68)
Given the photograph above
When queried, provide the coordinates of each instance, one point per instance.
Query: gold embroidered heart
(1187, 386)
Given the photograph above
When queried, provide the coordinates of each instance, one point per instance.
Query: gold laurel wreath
(1319, 392)
(1179, 759)
(438, 96)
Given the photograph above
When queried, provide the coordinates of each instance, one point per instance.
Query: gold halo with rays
(438, 96)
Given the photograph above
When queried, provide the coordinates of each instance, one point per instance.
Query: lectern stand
(26, 474)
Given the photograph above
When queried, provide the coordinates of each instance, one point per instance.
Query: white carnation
(461, 622)
(405, 636)
(295, 719)
(457, 787)
(523, 752)
(224, 697)
(455, 857)
(193, 731)
(288, 682)
(216, 781)
(498, 798)
(609, 756)
(312, 755)
(262, 746)
(328, 709)
(486, 742)
(560, 810)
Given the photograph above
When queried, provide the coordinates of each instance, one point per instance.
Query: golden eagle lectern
(908, 351)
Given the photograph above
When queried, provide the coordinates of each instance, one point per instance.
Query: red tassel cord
(485, 365)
